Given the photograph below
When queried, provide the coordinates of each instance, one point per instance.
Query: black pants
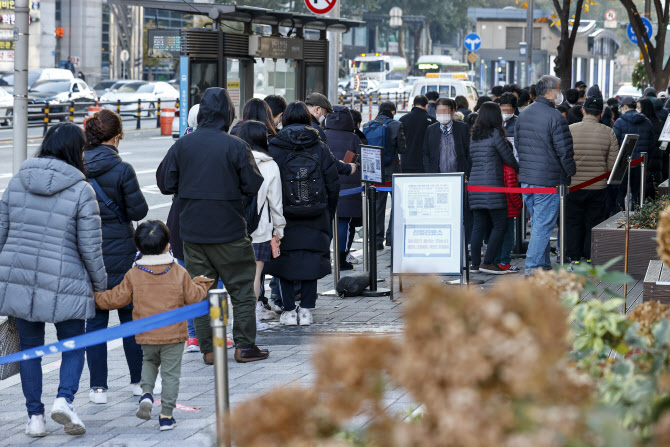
(381, 219)
(287, 292)
(498, 219)
(584, 210)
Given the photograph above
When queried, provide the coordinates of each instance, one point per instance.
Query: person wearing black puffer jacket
(342, 139)
(655, 160)
(117, 180)
(489, 149)
(305, 248)
(632, 122)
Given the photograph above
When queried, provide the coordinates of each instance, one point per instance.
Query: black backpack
(252, 213)
(303, 188)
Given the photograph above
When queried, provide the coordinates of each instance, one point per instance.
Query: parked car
(392, 89)
(58, 94)
(41, 74)
(628, 90)
(148, 92)
(103, 87)
(6, 106)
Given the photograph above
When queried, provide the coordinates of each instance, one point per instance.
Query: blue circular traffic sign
(472, 42)
(647, 26)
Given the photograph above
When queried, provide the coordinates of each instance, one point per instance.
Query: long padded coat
(50, 244)
(543, 141)
(488, 156)
(118, 180)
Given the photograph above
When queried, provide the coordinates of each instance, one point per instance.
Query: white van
(40, 74)
(446, 87)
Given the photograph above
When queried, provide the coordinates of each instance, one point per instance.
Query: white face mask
(322, 118)
(507, 116)
(559, 99)
(443, 119)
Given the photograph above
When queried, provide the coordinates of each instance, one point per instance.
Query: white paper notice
(371, 164)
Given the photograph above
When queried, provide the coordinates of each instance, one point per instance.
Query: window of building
(513, 35)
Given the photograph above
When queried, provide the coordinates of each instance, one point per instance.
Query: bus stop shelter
(292, 61)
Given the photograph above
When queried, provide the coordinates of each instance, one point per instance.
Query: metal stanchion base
(379, 292)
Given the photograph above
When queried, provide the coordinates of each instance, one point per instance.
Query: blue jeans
(505, 254)
(96, 356)
(191, 326)
(31, 335)
(543, 209)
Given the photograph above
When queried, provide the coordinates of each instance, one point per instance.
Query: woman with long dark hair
(257, 110)
(489, 149)
(271, 224)
(50, 265)
(121, 202)
(656, 158)
(310, 186)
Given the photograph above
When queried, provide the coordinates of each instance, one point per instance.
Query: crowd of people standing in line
(280, 169)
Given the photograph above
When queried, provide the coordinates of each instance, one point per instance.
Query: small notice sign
(371, 163)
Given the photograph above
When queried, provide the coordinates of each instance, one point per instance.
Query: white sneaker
(260, 326)
(158, 386)
(36, 427)
(305, 317)
(352, 259)
(137, 389)
(63, 413)
(274, 307)
(262, 313)
(98, 395)
(289, 318)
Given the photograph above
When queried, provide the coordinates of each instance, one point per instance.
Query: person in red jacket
(514, 205)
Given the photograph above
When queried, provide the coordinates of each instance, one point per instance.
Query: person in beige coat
(596, 148)
(157, 284)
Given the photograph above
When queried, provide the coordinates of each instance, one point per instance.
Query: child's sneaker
(166, 422)
(229, 343)
(509, 268)
(192, 345)
(146, 403)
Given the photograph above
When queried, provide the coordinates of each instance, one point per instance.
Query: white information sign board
(665, 134)
(371, 163)
(428, 224)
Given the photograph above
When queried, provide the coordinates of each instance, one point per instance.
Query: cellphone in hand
(274, 243)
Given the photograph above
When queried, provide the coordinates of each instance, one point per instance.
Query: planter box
(608, 241)
(657, 283)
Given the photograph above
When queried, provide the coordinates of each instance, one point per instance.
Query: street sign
(472, 42)
(472, 58)
(124, 56)
(610, 15)
(320, 6)
(647, 26)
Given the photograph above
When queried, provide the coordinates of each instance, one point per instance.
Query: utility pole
(334, 39)
(647, 9)
(20, 124)
(530, 19)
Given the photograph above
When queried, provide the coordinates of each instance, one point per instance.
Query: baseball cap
(317, 99)
(629, 101)
(580, 84)
(593, 104)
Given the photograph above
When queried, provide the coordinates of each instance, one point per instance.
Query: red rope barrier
(474, 188)
(583, 185)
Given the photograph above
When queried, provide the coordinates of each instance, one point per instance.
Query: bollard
(370, 106)
(46, 119)
(629, 199)
(336, 251)
(158, 114)
(218, 314)
(139, 114)
(118, 106)
(72, 111)
(561, 230)
(643, 176)
(364, 218)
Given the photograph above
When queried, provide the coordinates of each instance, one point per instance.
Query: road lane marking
(125, 153)
(147, 171)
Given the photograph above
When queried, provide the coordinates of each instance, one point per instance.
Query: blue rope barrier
(348, 192)
(385, 189)
(112, 333)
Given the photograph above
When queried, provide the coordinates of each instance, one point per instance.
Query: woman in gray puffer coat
(489, 149)
(50, 265)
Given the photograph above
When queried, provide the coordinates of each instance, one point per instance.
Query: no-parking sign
(320, 6)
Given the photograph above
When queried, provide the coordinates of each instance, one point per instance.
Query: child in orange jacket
(514, 206)
(154, 285)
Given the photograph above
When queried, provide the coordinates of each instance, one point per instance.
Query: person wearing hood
(340, 131)
(212, 171)
(308, 206)
(661, 112)
(632, 122)
(121, 202)
(606, 118)
(50, 265)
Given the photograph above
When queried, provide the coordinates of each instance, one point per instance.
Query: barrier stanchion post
(561, 230)
(336, 251)
(370, 106)
(46, 119)
(643, 177)
(118, 106)
(629, 196)
(372, 243)
(364, 216)
(158, 113)
(218, 314)
(72, 111)
(139, 114)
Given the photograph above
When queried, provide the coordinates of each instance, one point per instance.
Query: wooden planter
(608, 241)
(656, 285)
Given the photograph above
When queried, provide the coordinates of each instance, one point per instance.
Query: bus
(443, 65)
(379, 67)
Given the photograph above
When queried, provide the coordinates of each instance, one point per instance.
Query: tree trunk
(417, 44)
(401, 42)
(563, 65)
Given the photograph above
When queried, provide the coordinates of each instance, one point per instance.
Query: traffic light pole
(20, 113)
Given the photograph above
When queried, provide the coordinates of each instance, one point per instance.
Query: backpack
(303, 187)
(252, 213)
(377, 134)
